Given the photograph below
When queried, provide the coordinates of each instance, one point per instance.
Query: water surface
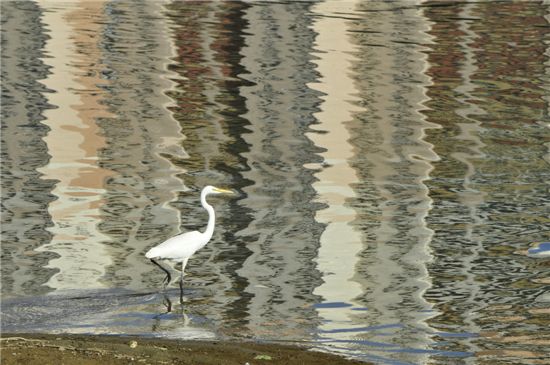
(391, 162)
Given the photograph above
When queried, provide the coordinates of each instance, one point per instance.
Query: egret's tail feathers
(152, 253)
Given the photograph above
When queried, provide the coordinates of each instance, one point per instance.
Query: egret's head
(214, 190)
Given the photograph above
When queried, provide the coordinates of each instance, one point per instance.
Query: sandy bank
(42, 349)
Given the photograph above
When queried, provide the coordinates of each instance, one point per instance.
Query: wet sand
(42, 349)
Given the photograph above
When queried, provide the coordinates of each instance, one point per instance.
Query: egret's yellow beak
(223, 191)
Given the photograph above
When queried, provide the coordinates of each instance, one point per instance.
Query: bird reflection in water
(170, 312)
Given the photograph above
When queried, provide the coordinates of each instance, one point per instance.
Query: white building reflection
(88, 135)
(340, 243)
(73, 144)
(375, 248)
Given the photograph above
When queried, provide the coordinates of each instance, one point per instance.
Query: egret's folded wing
(177, 247)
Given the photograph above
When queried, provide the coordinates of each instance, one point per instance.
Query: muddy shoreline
(41, 349)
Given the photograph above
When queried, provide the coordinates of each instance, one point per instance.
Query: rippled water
(392, 163)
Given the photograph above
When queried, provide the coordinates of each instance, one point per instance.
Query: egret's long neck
(211, 216)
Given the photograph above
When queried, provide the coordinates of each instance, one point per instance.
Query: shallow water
(391, 162)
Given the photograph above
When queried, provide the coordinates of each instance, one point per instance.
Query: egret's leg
(183, 264)
(168, 277)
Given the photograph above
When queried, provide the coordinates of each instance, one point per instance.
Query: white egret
(181, 247)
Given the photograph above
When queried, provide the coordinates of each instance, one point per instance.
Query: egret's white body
(181, 247)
